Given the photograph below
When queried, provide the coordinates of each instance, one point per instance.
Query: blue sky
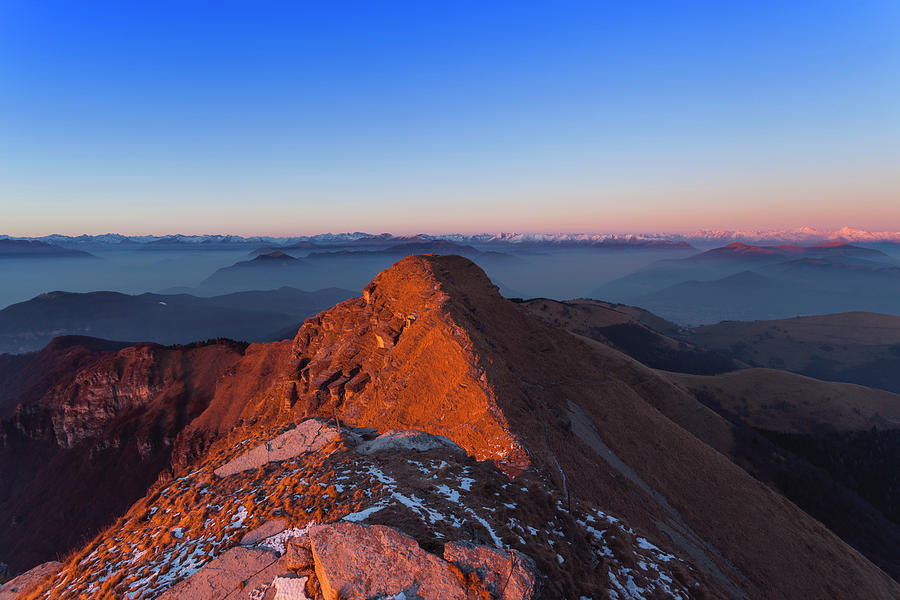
(279, 118)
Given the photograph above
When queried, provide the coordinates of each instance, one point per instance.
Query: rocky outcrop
(356, 562)
(27, 377)
(122, 382)
(79, 453)
(298, 554)
(233, 575)
(397, 358)
(505, 574)
(308, 436)
(348, 561)
(418, 441)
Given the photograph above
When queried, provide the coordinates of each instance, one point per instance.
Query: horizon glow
(289, 119)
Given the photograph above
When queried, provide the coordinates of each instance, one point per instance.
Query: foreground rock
(22, 584)
(354, 562)
(505, 575)
(357, 562)
(348, 561)
(308, 436)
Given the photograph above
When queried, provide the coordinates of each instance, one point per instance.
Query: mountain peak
(421, 282)
(403, 356)
(740, 249)
(276, 255)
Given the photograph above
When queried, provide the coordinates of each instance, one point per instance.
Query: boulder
(407, 440)
(506, 574)
(308, 436)
(19, 586)
(298, 554)
(358, 562)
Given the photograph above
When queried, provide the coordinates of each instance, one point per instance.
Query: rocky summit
(427, 440)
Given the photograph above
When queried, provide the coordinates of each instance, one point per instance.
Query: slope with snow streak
(435, 496)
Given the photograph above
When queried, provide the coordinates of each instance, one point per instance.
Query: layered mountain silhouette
(352, 266)
(161, 318)
(747, 282)
(429, 418)
(301, 246)
(862, 348)
(638, 333)
(10, 248)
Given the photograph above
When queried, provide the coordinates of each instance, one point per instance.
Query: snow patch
(277, 541)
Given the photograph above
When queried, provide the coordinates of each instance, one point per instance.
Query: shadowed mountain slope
(26, 377)
(862, 348)
(634, 331)
(797, 434)
(89, 438)
(790, 403)
(833, 448)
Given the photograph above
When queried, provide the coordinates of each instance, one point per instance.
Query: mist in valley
(130, 272)
(557, 274)
(182, 294)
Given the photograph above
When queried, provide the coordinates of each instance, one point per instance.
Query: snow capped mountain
(800, 235)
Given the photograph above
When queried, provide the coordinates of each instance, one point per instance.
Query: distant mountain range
(36, 249)
(801, 235)
(747, 282)
(162, 318)
(353, 267)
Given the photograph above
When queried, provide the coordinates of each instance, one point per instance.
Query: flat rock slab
(267, 529)
(232, 575)
(506, 574)
(358, 562)
(23, 583)
(407, 440)
(308, 436)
